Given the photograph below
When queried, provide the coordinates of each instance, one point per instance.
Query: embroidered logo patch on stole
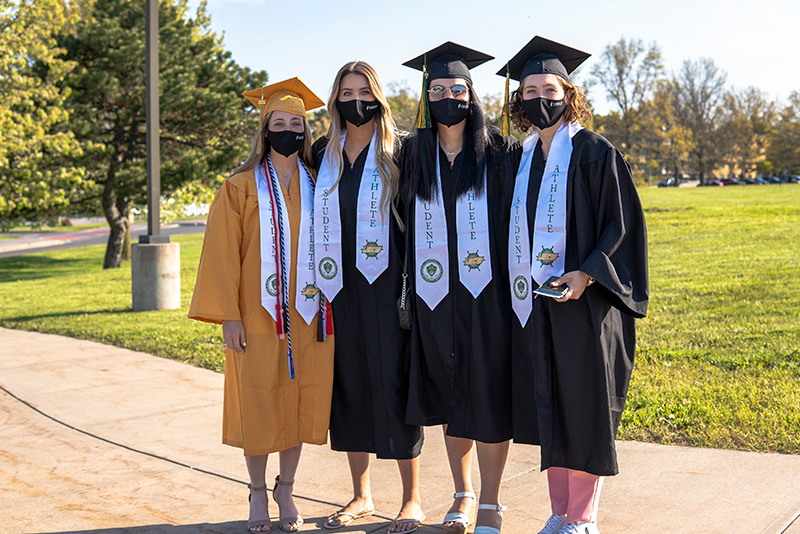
(372, 249)
(309, 291)
(521, 287)
(431, 271)
(328, 268)
(473, 260)
(272, 285)
(547, 256)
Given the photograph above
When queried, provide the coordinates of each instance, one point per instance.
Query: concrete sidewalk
(99, 439)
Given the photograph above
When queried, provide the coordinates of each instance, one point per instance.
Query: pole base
(156, 276)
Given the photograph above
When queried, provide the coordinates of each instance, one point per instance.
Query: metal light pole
(153, 134)
(155, 262)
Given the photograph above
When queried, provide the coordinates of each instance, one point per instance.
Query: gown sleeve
(619, 259)
(216, 292)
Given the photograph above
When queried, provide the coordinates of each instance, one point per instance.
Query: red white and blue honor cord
(282, 306)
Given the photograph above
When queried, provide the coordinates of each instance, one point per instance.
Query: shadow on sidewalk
(238, 527)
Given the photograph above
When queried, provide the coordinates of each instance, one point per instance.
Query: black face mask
(449, 111)
(543, 112)
(286, 142)
(358, 112)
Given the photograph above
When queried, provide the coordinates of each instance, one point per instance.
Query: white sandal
(499, 508)
(458, 517)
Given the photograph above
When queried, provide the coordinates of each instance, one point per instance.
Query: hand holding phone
(551, 291)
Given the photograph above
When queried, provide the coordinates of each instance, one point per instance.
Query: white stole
(546, 258)
(372, 224)
(306, 296)
(431, 247)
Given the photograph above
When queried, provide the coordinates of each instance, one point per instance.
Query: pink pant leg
(584, 495)
(558, 484)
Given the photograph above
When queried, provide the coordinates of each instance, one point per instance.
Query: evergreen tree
(206, 125)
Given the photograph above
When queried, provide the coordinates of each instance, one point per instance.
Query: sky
(755, 42)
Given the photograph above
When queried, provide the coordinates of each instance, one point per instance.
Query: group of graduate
(310, 250)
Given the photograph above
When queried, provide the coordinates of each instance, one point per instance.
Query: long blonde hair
(385, 128)
(259, 150)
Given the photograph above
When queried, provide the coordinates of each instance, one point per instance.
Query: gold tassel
(506, 125)
(262, 106)
(424, 117)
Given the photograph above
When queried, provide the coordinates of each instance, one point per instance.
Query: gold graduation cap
(290, 95)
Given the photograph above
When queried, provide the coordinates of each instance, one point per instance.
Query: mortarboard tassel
(262, 106)
(424, 118)
(506, 125)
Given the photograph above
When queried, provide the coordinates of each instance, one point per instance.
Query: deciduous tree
(37, 176)
(698, 89)
(628, 71)
(784, 146)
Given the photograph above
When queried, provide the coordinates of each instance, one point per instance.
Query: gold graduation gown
(264, 410)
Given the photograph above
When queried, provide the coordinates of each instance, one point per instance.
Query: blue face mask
(543, 112)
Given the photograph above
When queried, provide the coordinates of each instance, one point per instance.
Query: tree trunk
(126, 245)
(116, 211)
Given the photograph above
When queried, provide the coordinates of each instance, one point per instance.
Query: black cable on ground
(144, 453)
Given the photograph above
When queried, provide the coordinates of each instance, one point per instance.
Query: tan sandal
(285, 522)
(341, 518)
(251, 525)
(415, 524)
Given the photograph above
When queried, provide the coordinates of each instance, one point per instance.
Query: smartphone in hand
(548, 290)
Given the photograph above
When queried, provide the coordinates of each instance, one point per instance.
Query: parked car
(668, 182)
(730, 181)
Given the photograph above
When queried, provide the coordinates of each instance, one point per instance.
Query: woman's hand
(233, 334)
(577, 281)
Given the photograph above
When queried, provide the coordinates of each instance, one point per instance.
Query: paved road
(31, 242)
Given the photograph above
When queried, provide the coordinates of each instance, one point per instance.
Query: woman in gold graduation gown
(278, 376)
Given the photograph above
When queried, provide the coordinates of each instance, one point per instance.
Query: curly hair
(577, 106)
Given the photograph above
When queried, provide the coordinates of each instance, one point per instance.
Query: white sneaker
(554, 524)
(580, 527)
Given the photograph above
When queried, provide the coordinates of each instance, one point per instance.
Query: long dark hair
(424, 148)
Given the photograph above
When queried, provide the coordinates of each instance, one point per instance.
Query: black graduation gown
(370, 381)
(461, 350)
(583, 349)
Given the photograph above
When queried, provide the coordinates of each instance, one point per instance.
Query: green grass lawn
(718, 360)
(719, 353)
(67, 292)
(48, 229)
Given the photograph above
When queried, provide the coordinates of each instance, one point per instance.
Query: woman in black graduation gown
(359, 270)
(585, 227)
(457, 176)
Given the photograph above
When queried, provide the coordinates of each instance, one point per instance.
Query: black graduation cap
(540, 56)
(543, 56)
(448, 60)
